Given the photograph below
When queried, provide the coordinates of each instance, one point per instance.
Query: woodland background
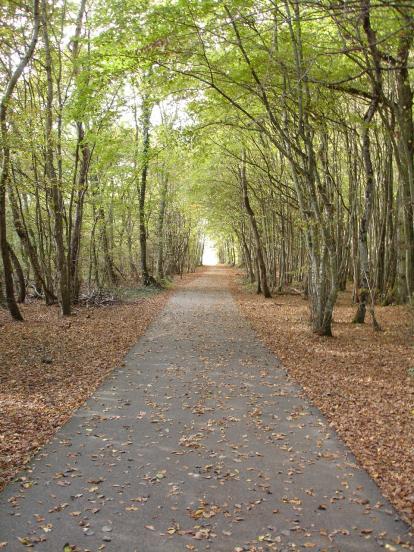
(132, 130)
(284, 129)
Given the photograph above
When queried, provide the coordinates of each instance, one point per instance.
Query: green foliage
(227, 81)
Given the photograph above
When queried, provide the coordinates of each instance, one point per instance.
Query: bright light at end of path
(210, 256)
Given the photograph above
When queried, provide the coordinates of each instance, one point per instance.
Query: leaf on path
(25, 541)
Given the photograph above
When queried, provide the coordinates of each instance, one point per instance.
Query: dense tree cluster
(284, 126)
(91, 189)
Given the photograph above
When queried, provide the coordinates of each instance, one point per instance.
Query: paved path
(199, 443)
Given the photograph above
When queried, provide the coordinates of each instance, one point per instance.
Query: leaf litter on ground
(49, 366)
(360, 379)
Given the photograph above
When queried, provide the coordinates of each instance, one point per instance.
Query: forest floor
(199, 442)
(49, 365)
(362, 380)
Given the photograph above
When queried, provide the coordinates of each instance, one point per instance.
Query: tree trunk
(160, 229)
(109, 263)
(375, 73)
(52, 178)
(247, 257)
(259, 252)
(3, 303)
(29, 249)
(77, 226)
(19, 275)
(405, 139)
(82, 147)
(364, 292)
(5, 170)
(146, 117)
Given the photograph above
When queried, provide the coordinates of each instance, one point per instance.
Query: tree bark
(82, 147)
(405, 141)
(146, 117)
(21, 297)
(52, 178)
(365, 293)
(160, 229)
(247, 256)
(29, 249)
(109, 263)
(5, 170)
(260, 259)
(77, 225)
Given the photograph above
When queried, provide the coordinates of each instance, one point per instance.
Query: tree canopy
(131, 130)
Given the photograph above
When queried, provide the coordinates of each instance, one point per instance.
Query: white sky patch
(210, 254)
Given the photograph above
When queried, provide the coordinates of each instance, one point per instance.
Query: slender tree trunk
(160, 229)
(77, 225)
(366, 292)
(109, 263)
(381, 276)
(3, 303)
(259, 252)
(405, 140)
(247, 257)
(146, 117)
(401, 293)
(5, 253)
(19, 275)
(52, 177)
(29, 249)
(129, 229)
(82, 148)
(5, 170)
